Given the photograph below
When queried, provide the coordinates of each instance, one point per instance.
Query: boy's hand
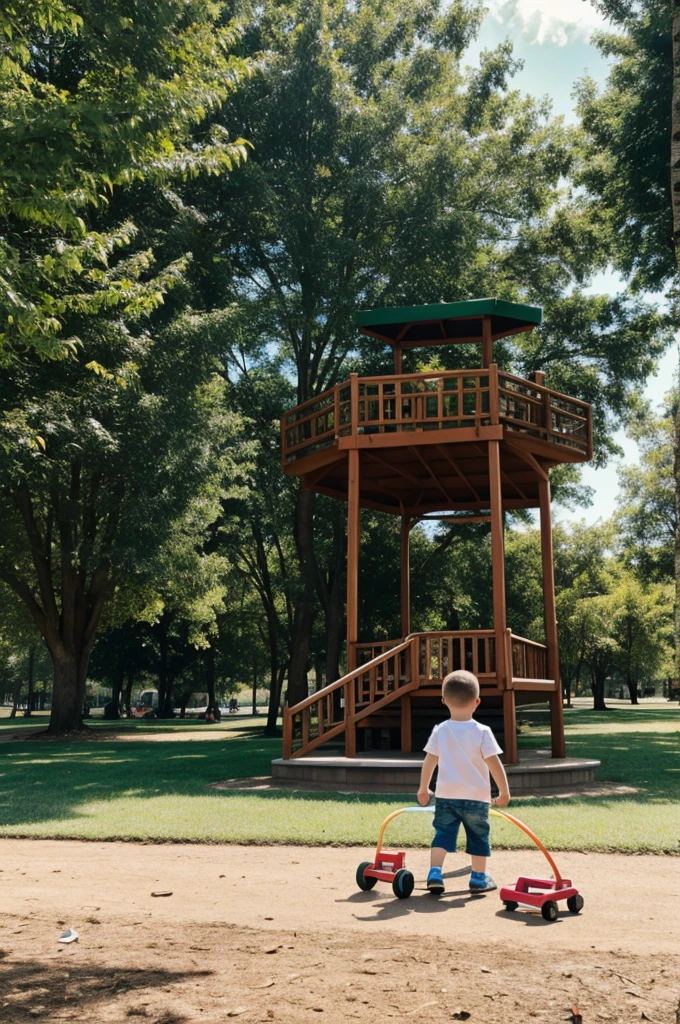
(424, 797)
(502, 800)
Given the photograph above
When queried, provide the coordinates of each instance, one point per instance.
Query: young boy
(465, 752)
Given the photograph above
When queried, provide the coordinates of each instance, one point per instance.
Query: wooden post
(350, 727)
(287, 733)
(406, 741)
(510, 755)
(487, 342)
(556, 713)
(405, 578)
(353, 535)
(397, 360)
(503, 670)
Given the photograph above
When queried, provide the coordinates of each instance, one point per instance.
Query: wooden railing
(441, 653)
(389, 669)
(439, 400)
(529, 659)
(540, 412)
(328, 712)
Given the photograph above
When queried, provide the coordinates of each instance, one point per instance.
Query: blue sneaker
(435, 881)
(481, 883)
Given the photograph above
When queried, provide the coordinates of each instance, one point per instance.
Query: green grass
(151, 789)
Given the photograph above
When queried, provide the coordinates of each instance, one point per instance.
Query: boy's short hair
(460, 687)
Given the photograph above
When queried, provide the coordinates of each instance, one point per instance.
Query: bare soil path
(282, 934)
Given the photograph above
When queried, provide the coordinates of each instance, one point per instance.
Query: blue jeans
(473, 815)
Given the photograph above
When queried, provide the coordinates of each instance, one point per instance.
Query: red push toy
(550, 890)
(389, 866)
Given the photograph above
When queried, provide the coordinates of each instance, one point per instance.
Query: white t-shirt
(461, 748)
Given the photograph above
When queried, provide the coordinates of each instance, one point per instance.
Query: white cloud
(548, 21)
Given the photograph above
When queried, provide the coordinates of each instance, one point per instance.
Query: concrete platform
(537, 774)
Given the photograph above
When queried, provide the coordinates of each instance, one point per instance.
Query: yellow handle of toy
(498, 814)
(534, 838)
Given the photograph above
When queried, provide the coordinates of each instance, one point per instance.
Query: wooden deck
(396, 681)
(536, 774)
(422, 438)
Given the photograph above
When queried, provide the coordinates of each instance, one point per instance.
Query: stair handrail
(349, 676)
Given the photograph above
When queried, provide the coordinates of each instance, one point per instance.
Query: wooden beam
(438, 483)
(398, 362)
(406, 741)
(503, 667)
(509, 480)
(447, 435)
(313, 477)
(442, 451)
(528, 458)
(455, 519)
(405, 578)
(509, 728)
(353, 533)
(394, 468)
(487, 342)
(550, 615)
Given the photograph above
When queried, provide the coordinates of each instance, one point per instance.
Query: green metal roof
(446, 322)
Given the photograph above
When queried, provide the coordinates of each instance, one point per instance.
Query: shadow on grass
(39, 988)
(54, 782)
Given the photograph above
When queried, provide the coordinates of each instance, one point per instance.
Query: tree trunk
(298, 683)
(68, 694)
(112, 710)
(127, 692)
(164, 684)
(597, 686)
(210, 681)
(675, 203)
(31, 682)
(305, 608)
(676, 474)
(270, 728)
(254, 685)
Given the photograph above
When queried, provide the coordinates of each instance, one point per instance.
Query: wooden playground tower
(461, 445)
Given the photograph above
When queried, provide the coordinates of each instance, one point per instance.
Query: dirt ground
(282, 934)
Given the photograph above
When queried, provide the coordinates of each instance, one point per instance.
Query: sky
(552, 37)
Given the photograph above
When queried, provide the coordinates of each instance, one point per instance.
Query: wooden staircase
(397, 681)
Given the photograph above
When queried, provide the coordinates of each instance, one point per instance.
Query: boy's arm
(429, 765)
(500, 778)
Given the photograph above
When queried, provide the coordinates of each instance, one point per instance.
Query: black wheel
(362, 881)
(575, 904)
(511, 905)
(402, 885)
(549, 911)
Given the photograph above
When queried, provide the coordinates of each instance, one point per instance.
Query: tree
(103, 452)
(641, 626)
(95, 97)
(384, 173)
(647, 513)
(632, 168)
(125, 455)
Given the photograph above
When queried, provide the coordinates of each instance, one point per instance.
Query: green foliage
(626, 164)
(647, 514)
(93, 97)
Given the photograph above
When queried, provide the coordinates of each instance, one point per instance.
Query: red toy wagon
(544, 894)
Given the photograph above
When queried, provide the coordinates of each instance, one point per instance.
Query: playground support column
(487, 342)
(556, 714)
(405, 577)
(353, 535)
(503, 669)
